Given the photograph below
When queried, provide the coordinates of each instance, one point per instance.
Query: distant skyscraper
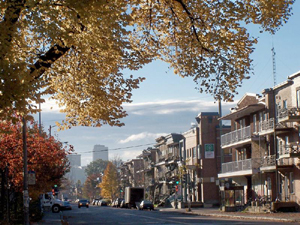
(100, 152)
(74, 159)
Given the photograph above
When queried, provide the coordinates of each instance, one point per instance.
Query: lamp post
(25, 181)
(50, 127)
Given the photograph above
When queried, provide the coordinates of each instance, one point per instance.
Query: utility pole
(40, 119)
(220, 125)
(25, 181)
(275, 118)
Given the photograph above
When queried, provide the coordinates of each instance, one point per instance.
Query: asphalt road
(113, 216)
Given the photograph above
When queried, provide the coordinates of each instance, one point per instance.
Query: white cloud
(141, 136)
(50, 105)
(173, 106)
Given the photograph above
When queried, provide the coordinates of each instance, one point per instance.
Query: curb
(234, 216)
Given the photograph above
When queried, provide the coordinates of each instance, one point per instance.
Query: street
(112, 216)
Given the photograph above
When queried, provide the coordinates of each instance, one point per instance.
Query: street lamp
(50, 127)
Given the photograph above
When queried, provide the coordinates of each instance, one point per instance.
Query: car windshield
(83, 200)
(147, 202)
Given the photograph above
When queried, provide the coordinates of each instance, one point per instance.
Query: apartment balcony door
(268, 188)
(286, 188)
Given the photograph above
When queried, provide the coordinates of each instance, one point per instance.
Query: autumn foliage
(81, 53)
(109, 185)
(46, 157)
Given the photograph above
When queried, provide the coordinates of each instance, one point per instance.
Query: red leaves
(46, 156)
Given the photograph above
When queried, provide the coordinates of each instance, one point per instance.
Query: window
(254, 123)
(298, 97)
(199, 152)
(291, 183)
(210, 119)
(286, 139)
(280, 183)
(242, 123)
(194, 152)
(284, 104)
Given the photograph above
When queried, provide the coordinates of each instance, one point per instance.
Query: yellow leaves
(202, 39)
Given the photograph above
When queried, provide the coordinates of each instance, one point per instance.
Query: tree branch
(45, 61)
(192, 19)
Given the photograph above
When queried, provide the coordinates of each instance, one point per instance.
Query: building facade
(100, 152)
(265, 147)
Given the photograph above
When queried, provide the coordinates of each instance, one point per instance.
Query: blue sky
(166, 103)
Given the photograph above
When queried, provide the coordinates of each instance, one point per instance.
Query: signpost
(31, 177)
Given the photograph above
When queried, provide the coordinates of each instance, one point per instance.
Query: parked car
(146, 204)
(118, 202)
(102, 203)
(83, 203)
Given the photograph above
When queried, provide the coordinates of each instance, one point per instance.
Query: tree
(90, 188)
(109, 185)
(117, 161)
(96, 167)
(76, 51)
(46, 157)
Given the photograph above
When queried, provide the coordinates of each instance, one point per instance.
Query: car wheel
(55, 209)
(87, 206)
(79, 207)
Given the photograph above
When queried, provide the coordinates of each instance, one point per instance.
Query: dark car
(102, 203)
(83, 203)
(146, 204)
(118, 202)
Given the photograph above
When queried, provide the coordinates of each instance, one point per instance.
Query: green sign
(209, 151)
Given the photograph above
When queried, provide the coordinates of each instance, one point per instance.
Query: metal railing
(285, 112)
(268, 161)
(266, 125)
(288, 149)
(236, 136)
(242, 165)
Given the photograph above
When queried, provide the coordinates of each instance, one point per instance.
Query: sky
(166, 103)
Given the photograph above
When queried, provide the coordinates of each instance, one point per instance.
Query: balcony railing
(288, 114)
(266, 125)
(288, 149)
(241, 165)
(236, 136)
(267, 161)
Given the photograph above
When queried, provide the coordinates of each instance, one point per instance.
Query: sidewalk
(215, 212)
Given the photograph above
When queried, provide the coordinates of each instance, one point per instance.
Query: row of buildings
(255, 159)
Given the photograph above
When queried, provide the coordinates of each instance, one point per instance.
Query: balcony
(268, 163)
(266, 126)
(240, 168)
(289, 115)
(240, 136)
(291, 150)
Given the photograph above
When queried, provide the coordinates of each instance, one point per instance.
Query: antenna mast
(274, 64)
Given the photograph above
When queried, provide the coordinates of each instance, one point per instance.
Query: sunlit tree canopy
(77, 51)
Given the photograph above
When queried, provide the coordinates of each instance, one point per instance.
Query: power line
(115, 149)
